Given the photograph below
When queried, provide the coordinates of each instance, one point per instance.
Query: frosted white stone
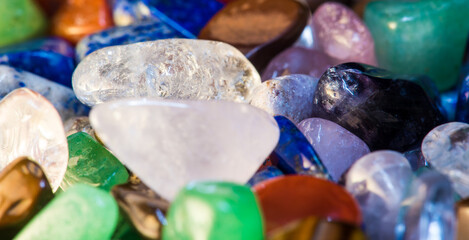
(170, 68)
(170, 143)
(446, 148)
(30, 126)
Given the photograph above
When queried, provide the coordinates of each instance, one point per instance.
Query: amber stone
(314, 228)
(259, 29)
(462, 211)
(78, 18)
(24, 191)
(142, 207)
(293, 197)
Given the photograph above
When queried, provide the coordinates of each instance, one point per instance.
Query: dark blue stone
(51, 44)
(266, 173)
(294, 154)
(416, 159)
(145, 31)
(449, 101)
(462, 107)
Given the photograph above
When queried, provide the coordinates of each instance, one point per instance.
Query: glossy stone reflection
(24, 191)
(386, 111)
(144, 208)
(462, 108)
(294, 154)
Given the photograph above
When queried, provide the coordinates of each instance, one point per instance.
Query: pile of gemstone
(241, 119)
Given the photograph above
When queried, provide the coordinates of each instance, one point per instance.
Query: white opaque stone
(30, 126)
(168, 143)
(170, 68)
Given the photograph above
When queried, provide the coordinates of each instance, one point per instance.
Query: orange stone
(293, 197)
(78, 18)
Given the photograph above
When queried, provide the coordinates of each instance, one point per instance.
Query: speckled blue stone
(266, 173)
(50, 44)
(462, 107)
(294, 154)
(145, 31)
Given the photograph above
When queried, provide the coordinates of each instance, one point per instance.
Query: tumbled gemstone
(259, 29)
(314, 228)
(32, 127)
(214, 210)
(462, 211)
(347, 148)
(92, 164)
(416, 159)
(290, 96)
(171, 68)
(445, 148)
(449, 101)
(24, 191)
(78, 124)
(293, 197)
(20, 20)
(434, 34)
(63, 98)
(378, 182)
(298, 60)
(462, 108)
(341, 34)
(82, 212)
(428, 210)
(196, 140)
(128, 12)
(78, 18)
(49, 44)
(144, 208)
(385, 110)
(145, 31)
(294, 154)
(264, 174)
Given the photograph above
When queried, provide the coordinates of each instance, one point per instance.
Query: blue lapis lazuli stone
(462, 107)
(50, 44)
(265, 174)
(294, 154)
(144, 31)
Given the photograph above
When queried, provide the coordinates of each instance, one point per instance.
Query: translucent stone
(175, 142)
(170, 68)
(446, 148)
(31, 127)
(78, 124)
(378, 182)
(347, 148)
(61, 97)
(290, 96)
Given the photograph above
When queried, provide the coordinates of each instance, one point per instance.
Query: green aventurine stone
(420, 37)
(92, 164)
(214, 210)
(19, 20)
(82, 213)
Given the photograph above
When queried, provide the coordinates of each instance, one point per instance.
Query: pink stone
(290, 96)
(298, 60)
(338, 148)
(341, 34)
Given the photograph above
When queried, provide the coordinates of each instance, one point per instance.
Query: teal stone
(91, 163)
(81, 213)
(420, 37)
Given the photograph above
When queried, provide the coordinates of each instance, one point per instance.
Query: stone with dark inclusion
(259, 29)
(142, 207)
(264, 174)
(420, 37)
(385, 110)
(428, 210)
(294, 154)
(24, 191)
(141, 32)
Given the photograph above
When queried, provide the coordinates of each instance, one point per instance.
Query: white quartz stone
(170, 143)
(30, 126)
(170, 68)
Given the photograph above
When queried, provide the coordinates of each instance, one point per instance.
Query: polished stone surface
(378, 181)
(288, 198)
(24, 191)
(462, 108)
(214, 210)
(197, 140)
(337, 148)
(290, 96)
(49, 44)
(82, 212)
(171, 68)
(33, 128)
(462, 211)
(63, 98)
(420, 37)
(264, 174)
(385, 110)
(78, 124)
(446, 148)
